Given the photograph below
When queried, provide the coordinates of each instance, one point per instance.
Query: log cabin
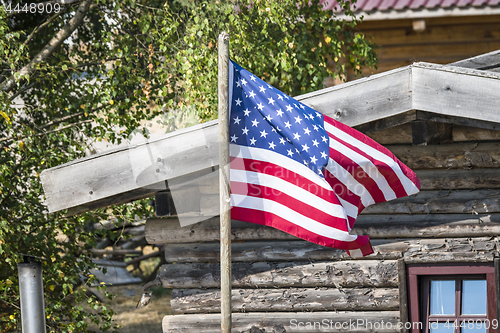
(436, 265)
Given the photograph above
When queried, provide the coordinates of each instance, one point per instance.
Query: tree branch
(9, 140)
(76, 115)
(53, 44)
(53, 17)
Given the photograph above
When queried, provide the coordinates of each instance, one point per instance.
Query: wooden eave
(421, 91)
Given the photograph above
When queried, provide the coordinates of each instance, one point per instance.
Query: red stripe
(365, 249)
(349, 166)
(341, 190)
(285, 174)
(368, 141)
(384, 169)
(344, 193)
(300, 207)
(272, 220)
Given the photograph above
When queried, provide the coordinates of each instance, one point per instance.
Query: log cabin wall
(278, 278)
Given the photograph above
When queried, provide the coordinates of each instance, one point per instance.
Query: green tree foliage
(95, 66)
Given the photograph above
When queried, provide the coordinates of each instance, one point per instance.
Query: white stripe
(367, 166)
(278, 184)
(265, 155)
(408, 185)
(292, 216)
(348, 180)
(350, 209)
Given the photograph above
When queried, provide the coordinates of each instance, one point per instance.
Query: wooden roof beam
(487, 62)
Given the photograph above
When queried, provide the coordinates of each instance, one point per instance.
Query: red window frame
(419, 276)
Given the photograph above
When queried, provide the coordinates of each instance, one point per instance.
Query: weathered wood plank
(437, 20)
(290, 322)
(428, 226)
(440, 257)
(425, 133)
(379, 125)
(359, 273)
(402, 134)
(145, 165)
(168, 231)
(454, 120)
(276, 251)
(255, 251)
(284, 300)
(485, 61)
(395, 135)
(449, 156)
(365, 100)
(456, 91)
(121, 198)
(466, 133)
(441, 202)
(458, 179)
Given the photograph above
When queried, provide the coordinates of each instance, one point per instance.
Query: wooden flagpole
(225, 205)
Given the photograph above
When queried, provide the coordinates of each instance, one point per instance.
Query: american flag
(297, 170)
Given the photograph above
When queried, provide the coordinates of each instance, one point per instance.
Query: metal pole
(31, 293)
(225, 203)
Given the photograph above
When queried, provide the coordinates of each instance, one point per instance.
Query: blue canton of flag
(264, 117)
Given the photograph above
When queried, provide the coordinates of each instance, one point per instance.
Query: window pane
(441, 327)
(473, 327)
(474, 297)
(443, 297)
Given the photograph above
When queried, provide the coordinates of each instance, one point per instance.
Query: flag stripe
(358, 173)
(292, 216)
(243, 190)
(263, 155)
(373, 168)
(277, 185)
(389, 175)
(350, 183)
(343, 192)
(376, 150)
(354, 200)
(282, 173)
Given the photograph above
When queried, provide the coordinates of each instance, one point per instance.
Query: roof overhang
(421, 91)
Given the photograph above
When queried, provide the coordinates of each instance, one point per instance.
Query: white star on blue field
(264, 117)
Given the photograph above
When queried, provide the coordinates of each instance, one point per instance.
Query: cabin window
(452, 298)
